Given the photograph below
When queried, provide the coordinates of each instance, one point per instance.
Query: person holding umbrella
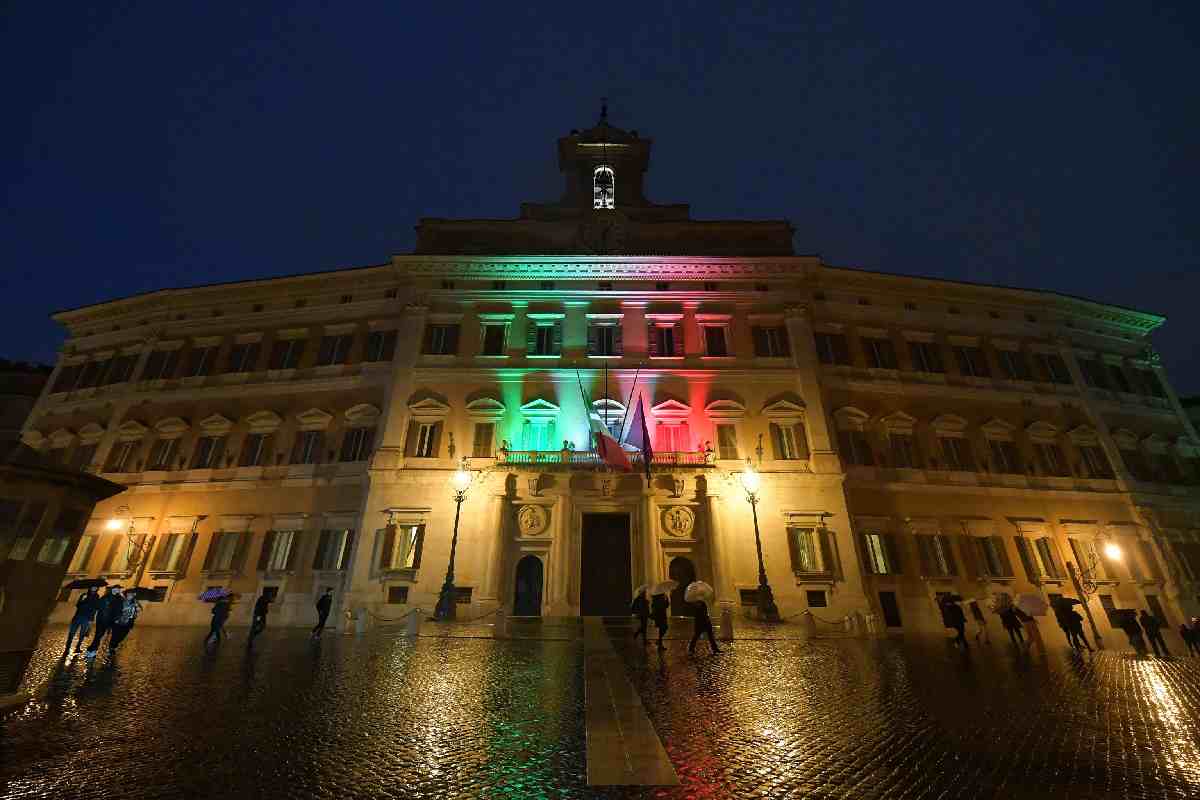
(1153, 627)
(1012, 623)
(85, 611)
(641, 610)
(111, 606)
(697, 595)
(124, 621)
(953, 617)
(324, 603)
(1128, 622)
(658, 609)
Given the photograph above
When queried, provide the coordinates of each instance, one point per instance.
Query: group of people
(656, 609)
(113, 614)
(258, 623)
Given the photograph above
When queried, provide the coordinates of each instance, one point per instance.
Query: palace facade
(913, 436)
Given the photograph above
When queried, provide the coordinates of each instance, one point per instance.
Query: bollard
(347, 622)
(414, 623)
(360, 622)
(726, 632)
(500, 631)
(810, 624)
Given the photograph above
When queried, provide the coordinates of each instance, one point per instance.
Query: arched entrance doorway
(527, 602)
(682, 571)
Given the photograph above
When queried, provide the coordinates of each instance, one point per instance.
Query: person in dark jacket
(1075, 630)
(261, 607)
(953, 617)
(111, 606)
(1189, 638)
(124, 621)
(1012, 624)
(658, 612)
(324, 603)
(641, 610)
(85, 612)
(1133, 631)
(703, 626)
(1153, 627)
(220, 614)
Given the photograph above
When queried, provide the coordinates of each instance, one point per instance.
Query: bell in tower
(603, 187)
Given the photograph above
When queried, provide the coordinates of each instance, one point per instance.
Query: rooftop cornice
(626, 268)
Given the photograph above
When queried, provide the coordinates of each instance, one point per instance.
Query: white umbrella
(641, 590)
(1032, 604)
(664, 587)
(699, 591)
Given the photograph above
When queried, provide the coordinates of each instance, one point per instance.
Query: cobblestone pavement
(385, 717)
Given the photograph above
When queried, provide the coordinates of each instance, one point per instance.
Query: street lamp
(135, 551)
(751, 482)
(1085, 580)
(460, 483)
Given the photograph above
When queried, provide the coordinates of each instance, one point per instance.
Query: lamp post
(751, 482)
(135, 551)
(460, 483)
(1085, 581)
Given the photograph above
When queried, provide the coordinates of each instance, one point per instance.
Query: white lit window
(332, 550)
(603, 187)
(280, 550)
(401, 547)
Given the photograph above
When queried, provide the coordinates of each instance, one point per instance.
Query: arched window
(603, 187)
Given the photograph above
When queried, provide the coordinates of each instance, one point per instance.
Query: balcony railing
(590, 459)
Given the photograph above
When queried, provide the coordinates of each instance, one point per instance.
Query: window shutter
(159, 562)
(297, 538)
(410, 440)
(265, 554)
(794, 548)
(593, 342)
(323, 540)
(829, 553)
(418, 546)
(387, 543)
(677, 335)
(436, 439)
(618, 340)
(117, 541)
(777, 442)
(344, 557)
(924, 554)
(530, 337)
(841, 351)
(451, 341)
(427, 340)
(1055, 559)
(278, 351)
(801, 441)
(347, 453)
(948, 551)
(368, 443)
(298, 448)
(1028, 560)
(212, 551)
(864, 548)
(239, 555)
(895, 565)
(785, 345)
(759, 335)
(652, 339)
(218, 452)
(189, 546)
(967, 556)
(328, 346)
(556, 346)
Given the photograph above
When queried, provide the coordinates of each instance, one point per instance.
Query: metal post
(766, 602)
(1087, 607)
(446, 604)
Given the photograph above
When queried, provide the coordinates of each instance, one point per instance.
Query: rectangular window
(1110, 607)
(169, 555)
(441, 340)
(484, 436)
(1013, 365)
(1095, 461)
(493, 339)
(83, 554)
(67, 378)
(605, 340)
(91, 373)
(397, 595)
(727, 442)
(334, 349)
(1085, 557)
(122, 457)
(855, 448)
(1054, 368)
(664, 342)
(1094, 373)
(1149, 383)
(546, 340)
(926, 357)
(956, 453)
(538, 434)
(277, 551)
(880, 553)
(1047, 558)
(223, 552)
(903, 450)
(1137, 465)
(307, 449)
(200, 361)
(714, 341)
(381, 346)
(209, 450)
(286, 353)
(805, 548)
(816, 598)
(832, 348)
(58, 541)
(791, 441)
(673, 438)
(161, 365)
(1005, 458)
(991, 557)
(357, 444)
(1118, 379)
(401, 546)
(881, 353)
(121, 370)
(333, 550)
(1051, 459)
(937, 559)
(83, 457)
(770, 342)
(971, 362)
(254, 450)
(243, 357)
(162, 454)
(1146, 550)
(118, 556)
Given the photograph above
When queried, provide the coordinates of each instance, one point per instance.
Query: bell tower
(603, 167)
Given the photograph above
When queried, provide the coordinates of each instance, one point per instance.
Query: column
(650, 548)
(1102, 430)
(493, 566)
(808, 372)
(719, 552)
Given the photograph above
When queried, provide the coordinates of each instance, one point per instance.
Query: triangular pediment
(131, 428)
(949, 422)
(263, 421)
(362, 414)
(671, 409)
(1041, 430)
(899, 422)
(171, 426)
(783, 409)
(725, 409)
(314, 419)
(91, 432)
(486, 408)
(996, 428)
(215, 425)
(61, 437)
(539, 407)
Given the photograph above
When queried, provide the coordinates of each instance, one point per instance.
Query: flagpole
(625, 416)
(587, 413)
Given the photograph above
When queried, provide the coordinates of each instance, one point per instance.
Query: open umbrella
(698, 591)
(86, 583)
(641, 590)
(1068, 602)
(664, 587)
(214, 594)
(1032, 604)
(952, 598)
(142, 593)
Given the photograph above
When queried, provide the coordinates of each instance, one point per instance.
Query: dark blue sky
(163, 144)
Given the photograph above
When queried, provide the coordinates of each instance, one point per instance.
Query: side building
(912, 436)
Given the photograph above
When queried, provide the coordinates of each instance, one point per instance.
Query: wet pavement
(382, 716)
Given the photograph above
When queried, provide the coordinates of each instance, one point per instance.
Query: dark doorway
(891, 609)
(682, 571)
(607, 585)
(1156, 609)
(528, 599)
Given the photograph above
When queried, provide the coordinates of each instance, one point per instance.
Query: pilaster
(808, 370)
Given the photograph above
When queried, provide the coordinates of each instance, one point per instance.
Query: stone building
(913, 436)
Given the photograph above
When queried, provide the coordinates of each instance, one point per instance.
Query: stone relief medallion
(532, 520)
(678, 521)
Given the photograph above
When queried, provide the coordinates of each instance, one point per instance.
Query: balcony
(590, 459)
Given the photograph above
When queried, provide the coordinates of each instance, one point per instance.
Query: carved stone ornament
(532, 520)
(678, 521)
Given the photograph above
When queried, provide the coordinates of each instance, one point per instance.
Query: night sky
(157, 144)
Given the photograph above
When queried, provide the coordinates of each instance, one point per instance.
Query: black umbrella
(86, 583)
(1067, 602)
(952, 598)
(142, 593)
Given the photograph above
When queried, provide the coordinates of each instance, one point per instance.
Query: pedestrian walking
(220, 614)
(324, 603)
(703, 626)
(641, 610)
(1189, 638)
(1011, 621)
(1133, 632)
(658, 613)
(1152, 625)
(262, 607)
(124, 622)
(980, 622)
(85, 612)
(111, 606)
(953, 617)
(1075, 630)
